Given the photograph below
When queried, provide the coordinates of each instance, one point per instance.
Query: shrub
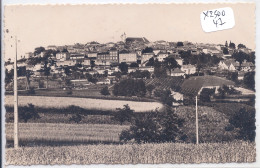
(155, 127)
(105, 91)
(31, 90)
(69, 91)
(76, 118)
(130, 87)
(28, 112)
(245, 121)
(206, 93)
(125, 114)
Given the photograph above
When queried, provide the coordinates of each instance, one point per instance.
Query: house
(178, 97)
(177, 58)
(103, 58)
(92, 55)
(188, 69)
(76, 56)
(147, 68)
(104, 82)
(127, 57)
(176, 72)
(161, 56)
(228, 64)
(146, 56)
(113, 55)
(247, 66)
(194, 85)
(85, 62)
(52, 47)
(66, 63)
(62, 56)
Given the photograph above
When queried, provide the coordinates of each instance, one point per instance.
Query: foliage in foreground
(174, 153)
(155, 127)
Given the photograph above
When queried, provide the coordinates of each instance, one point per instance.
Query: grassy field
(70, 133)
(88, 103)
(212, 124)
(174, 153)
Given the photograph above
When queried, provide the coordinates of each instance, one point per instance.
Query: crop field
(66, 132)
(212, 124)
(88, 103)
(174, 153)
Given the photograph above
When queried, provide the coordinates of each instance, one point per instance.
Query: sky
(43, 25)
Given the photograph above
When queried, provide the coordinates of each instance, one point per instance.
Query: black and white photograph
(129, 84)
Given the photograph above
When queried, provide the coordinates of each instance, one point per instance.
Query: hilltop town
(94, 66)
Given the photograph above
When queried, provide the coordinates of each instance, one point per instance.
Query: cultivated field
(88, 103)
(70, 133)
(174, 153)
(212, 124)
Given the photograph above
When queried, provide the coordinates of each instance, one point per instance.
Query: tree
(150, 89)
(155, 127)
(76, 118)
(105, 91)
(130, 87)
(241, 46)
(150, 62)
(134, 64)
(147, 50)
(206, 93)
(28, 112)
(225, 50)
(170, 63)
(232, 45)
(226, 44)
(123, 67)
(124, 114)
(244, 119)
(38, 50)
(239, 56)
(179, 44)
(92, 64)
(159, 69)
(28, 75)
(233, 76)
(165, 96)
(249, 80)
(47, 71)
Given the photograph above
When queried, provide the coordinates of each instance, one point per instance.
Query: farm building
(194, 85)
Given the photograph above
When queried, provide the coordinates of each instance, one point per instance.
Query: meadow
(69, 133)
(174, 153)
(88, 103)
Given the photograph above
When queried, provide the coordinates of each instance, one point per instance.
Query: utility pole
(16, 142)
(197, 122)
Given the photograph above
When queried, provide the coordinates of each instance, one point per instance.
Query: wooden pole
(197, 122)
(16, 142)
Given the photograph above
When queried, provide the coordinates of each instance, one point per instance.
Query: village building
(228, 64)
(62, 56)
(247, 66)
(161, 56)
(146, 56)
(127, 57)
(194, 85)
(176, 72)
(188, 69)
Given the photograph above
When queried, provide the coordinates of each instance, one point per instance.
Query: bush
(155, 127)
(105, 91)
(125, 114)
(245, 121)
(69, 91)
(130, 87)
(206, 93)
(76, 118)
(31, 90)
(27, 113)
